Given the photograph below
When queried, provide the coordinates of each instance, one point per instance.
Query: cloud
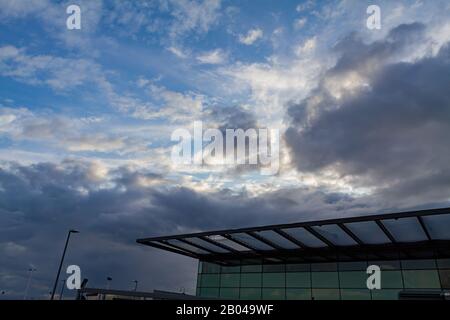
(217, 56)
(39, 203)
(56, 72)
(251, 37)
(192, 16)
(300, 23)
(378, 119)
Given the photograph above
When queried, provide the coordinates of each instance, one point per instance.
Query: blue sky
(86, 118)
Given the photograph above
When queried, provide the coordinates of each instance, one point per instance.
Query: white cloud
(217, 56)
(300, 23)
(306, 47)
(304, 6)
(251, 37)
(191, 15)
(178, 52)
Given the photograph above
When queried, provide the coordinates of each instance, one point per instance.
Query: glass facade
(320, 281)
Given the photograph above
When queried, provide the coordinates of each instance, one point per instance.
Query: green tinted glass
(209, 292)
(274, 279)
(229, 293)
(274, 268)
(251, 294)
(325, 279)
(210, 280)
(385, 294)
(229, 280)
(418, 264)
(324, 266)
(231, 269)
(421, 279)
(207, 267)
(298, 294)
(252, 268)
(391, 279)
(274, 294)
(353, 279)
(250, 280)
(300, 267)
(355, 294)
(325, 294)
(298, 280)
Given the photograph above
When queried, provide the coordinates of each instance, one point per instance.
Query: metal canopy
(405, 235)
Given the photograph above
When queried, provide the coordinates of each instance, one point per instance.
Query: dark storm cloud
(394, 134)
(39, 203)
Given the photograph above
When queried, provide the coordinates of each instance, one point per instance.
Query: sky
(87, 116)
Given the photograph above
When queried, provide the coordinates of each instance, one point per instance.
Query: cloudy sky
(86, 118)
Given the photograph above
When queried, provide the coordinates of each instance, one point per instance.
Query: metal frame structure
(405, 235)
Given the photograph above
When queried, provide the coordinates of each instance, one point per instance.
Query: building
(325, 259)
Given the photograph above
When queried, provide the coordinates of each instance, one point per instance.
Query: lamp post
(135, 285)
(62, 261)
(31, 270)
(108, 283)
(62, 288)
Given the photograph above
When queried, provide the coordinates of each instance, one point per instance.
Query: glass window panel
(210, 280)
(250, 294)
(277, 239)
(274, 280)
(298, 280)
(274, 294)
(207, 245)
(325, 280)
(231, 269)
(229, 293)
(391, 279)
(305, 237)
(335, 234)
(385, 294)
(445, 278)
(386, 265)
(186, 246)
(208, 267)
(368, 231)
(252, 268)
(353, 279)
(438, 226)
(251, 280)
(298, 294)
(274, 268)
(252, 242)
(298, 267)
(405, 229)
(209, 292)
(353, 266)
(229, 280)
(331, 266)
(421, 279)
(325, 294)
(228, 243)
(355, 294)
(443, 263)
(419, 264)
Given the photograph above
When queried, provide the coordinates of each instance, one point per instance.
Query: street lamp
(135, 285)
(62, 261)
(108, 284)
(62, 288)
(31, 270)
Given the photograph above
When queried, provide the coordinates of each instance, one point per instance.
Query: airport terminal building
(327, 259)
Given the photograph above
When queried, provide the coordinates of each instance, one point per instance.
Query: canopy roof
(405, 235)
